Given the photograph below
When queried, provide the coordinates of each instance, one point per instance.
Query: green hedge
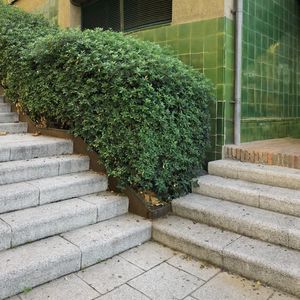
(143, 111)
(17, 30)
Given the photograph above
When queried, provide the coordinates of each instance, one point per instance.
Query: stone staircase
(56, 216)
(243, 217)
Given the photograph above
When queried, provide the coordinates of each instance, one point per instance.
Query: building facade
(202, 34)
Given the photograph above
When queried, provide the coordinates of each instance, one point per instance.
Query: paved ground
(152, 271)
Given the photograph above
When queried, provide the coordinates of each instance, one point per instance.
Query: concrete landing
(283, 152)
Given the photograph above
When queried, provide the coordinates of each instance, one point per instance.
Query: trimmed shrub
(143, 111)
(17, 30)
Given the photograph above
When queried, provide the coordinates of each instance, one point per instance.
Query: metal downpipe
(238, 71)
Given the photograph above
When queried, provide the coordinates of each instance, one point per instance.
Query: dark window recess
(141, 13)
(125, 14)
(101, 13)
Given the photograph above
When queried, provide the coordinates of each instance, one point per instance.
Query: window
(125, 15)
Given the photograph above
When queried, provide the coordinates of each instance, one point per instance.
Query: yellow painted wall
(185, 11)
(61, 12)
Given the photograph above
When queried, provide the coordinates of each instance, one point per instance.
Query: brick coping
(283, 152)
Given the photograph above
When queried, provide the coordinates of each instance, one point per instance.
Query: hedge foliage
(143, 111)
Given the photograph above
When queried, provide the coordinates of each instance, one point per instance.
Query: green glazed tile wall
(202, 45)
(271, 69)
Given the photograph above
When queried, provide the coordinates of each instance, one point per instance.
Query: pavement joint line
(138, 290)
(205, 282)
(76, 274)
(191, 273)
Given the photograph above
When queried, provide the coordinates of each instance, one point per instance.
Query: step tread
(273, 264)
(93, 241)
(39, 222)
(27, 146)
(267, 197)
(41, 191)
(25, 170)
(41, 261)
(254, 222)
(258, 173)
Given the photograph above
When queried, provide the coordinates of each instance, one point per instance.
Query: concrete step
(22, 195)
(5, 108)
(282, 200)
(32, 224)
(102, 240)
(33, 264)
(258, 260)
(9, 117)
(27, 146)
(263, 174)
(25, 170)
(14, 128)
(245, 220)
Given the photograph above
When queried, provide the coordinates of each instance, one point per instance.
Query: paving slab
(148, 255)
(231, 287)
(124, 292)
(106, 276)
(166, 282)
(68, 287)
(193, 266)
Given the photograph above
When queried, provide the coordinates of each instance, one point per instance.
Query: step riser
(23, 195)
(72, 190)
(256, 198)
(33, 224)
(250, 173)
(35, 150)
(45, 260)
(5, 108)
(95, 248)
(14, 128)
(274, 233)
(28, 231)
(231, 260)
(9, 117)
(30, 170)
